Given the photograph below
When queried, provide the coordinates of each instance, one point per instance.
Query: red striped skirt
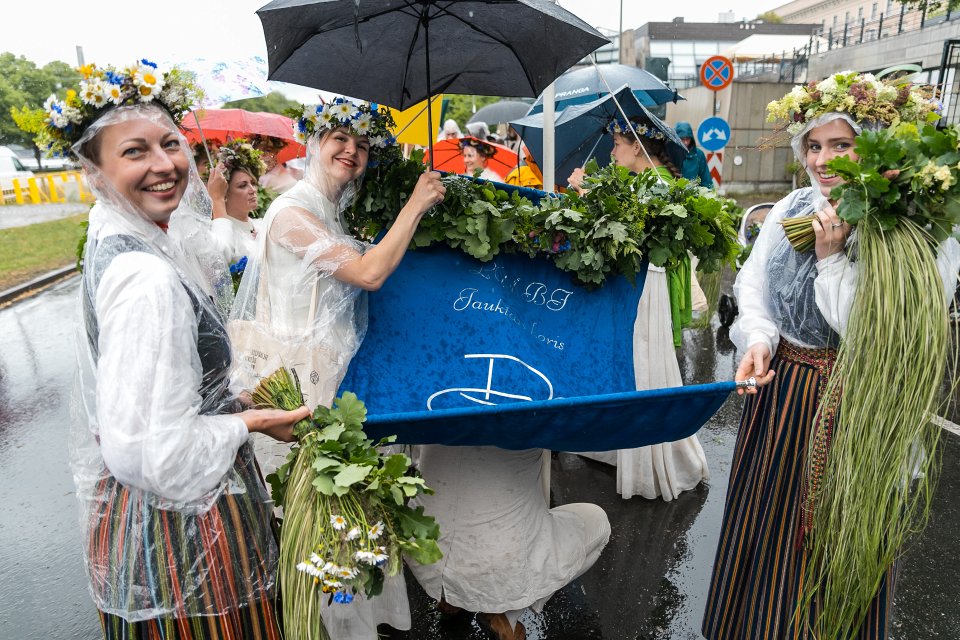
(207, 575)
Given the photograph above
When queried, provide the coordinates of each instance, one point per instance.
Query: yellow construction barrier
(63, 186)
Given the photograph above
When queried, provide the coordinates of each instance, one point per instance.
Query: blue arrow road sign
(713, 134)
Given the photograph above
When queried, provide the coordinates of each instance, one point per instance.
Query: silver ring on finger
(836, 225)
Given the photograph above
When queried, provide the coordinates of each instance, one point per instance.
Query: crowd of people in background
(178, 526)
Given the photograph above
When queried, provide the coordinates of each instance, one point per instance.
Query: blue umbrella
(587, 84)
(581, 130)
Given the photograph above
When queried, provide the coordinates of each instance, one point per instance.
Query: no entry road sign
(716, 73)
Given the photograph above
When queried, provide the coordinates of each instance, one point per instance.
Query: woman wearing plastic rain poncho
(175, 520)
(233, 188)
(306, 281)
(793, 311)
(661, 470)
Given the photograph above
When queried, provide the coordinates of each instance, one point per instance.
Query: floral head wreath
(619, 125)
(240, 155)
(61, 123)
(360, 119)
(484, 149)
(867, 100)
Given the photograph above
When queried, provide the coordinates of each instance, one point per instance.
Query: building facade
(687, 45)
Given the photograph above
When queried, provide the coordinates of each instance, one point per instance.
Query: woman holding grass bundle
(787, 560)
(176, 521)
(304, 284)
(660, 470)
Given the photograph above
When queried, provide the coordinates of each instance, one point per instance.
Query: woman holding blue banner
(660, 470)
(302, 292)
(795, 309)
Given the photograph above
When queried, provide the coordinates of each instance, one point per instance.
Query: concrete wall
(743, 105)
(923, 47)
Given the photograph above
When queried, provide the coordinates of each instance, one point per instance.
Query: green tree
(460, 108)
(932, 6)
(273, 102)
(23, 84)
(770, 17)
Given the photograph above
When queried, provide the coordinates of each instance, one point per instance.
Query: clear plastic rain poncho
(783, 293)
(175, 520)
(289, 289)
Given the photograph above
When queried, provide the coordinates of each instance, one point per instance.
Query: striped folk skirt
(760, 561)
(196, 576)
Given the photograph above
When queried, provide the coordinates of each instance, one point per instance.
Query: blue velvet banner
(512, 353)
(448, 332)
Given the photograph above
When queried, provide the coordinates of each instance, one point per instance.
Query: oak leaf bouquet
(346, 518)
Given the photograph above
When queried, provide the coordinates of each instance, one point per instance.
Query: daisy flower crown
(865, 98)
(61, 123)
(241, 154)
(364, 119)
(619, 125)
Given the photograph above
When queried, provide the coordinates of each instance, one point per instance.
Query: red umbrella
(449, 157)
(229, 124)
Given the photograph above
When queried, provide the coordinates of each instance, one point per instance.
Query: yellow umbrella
(412, 126)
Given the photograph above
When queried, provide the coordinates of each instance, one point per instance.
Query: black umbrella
(400, 52)
(503, 111)
(587, 84)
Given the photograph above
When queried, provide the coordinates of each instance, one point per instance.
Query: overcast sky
(120, 31)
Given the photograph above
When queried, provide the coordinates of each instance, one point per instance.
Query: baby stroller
(750, 224)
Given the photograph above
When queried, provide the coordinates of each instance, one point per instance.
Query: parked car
(29, 160)
(11, 167)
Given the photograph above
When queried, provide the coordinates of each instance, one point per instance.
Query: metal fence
(882, 25)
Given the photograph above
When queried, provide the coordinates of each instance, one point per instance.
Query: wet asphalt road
(27, 214)
(650, 582)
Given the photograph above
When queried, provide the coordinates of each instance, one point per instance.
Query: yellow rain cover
(412, 125)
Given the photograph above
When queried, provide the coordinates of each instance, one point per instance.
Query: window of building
(835, 20)
(873, 11)
(846, 18)
(859, 14)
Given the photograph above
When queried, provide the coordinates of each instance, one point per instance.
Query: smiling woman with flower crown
(774, 573)
(176, 521)
(232, 186)
(304, 286)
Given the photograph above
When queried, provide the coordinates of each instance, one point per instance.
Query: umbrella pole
(426, 54)
(206, 149)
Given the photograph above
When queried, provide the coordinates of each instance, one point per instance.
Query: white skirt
(503, 549)
(660, 470)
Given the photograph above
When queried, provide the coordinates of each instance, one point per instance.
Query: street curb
(16, 292)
